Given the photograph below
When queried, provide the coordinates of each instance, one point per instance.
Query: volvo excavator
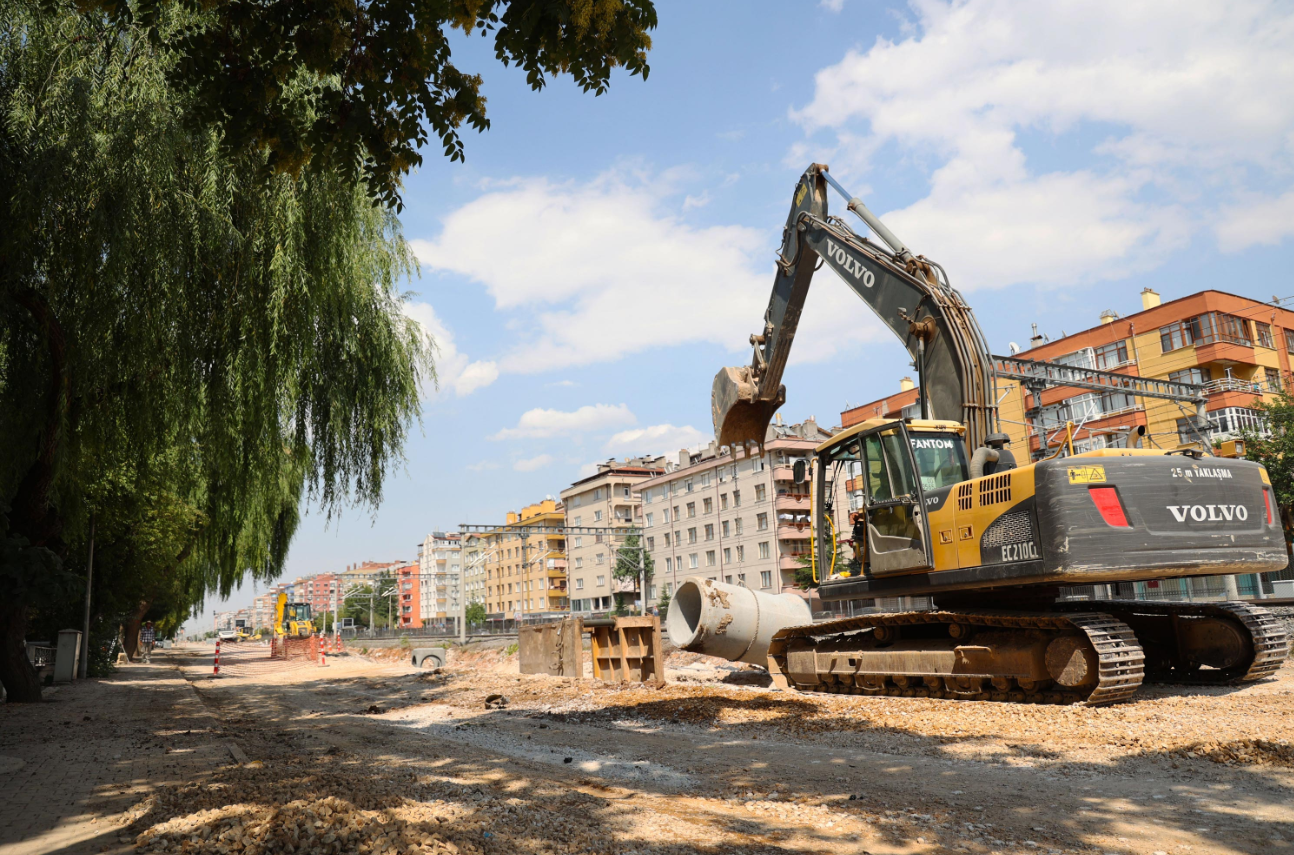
(935, 506)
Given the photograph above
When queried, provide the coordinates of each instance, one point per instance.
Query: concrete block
(69, 655)
(1283, 588)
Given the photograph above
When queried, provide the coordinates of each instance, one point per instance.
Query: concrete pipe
(730, 621)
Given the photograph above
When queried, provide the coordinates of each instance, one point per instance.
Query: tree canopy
(174, 318)
(365, 84)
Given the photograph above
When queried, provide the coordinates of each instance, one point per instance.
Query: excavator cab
(883, 475)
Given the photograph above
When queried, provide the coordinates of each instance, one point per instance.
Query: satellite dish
(1015, 348)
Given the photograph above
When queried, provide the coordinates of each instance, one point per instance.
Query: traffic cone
(323, 651)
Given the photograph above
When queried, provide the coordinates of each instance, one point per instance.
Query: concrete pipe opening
(684, 618)
(731, 621)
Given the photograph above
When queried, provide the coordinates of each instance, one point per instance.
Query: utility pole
(85, 624)
(642, 572)
(370, 609)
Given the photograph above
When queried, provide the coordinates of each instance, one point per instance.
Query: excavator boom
(909, 294)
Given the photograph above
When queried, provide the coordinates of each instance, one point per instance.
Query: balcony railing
(791, 502)
(791, 532)
(1228, 384)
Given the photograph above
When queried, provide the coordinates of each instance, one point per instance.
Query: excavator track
(1113, 645)
(1265, 641)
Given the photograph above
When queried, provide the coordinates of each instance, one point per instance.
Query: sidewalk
(74, 765)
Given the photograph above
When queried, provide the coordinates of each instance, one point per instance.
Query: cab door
(898, 533)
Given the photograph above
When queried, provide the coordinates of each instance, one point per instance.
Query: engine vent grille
(1009, 528)
(964, 496)
(995, 489)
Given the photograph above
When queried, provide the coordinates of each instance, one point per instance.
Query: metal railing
(1229, 384)
(41, 657)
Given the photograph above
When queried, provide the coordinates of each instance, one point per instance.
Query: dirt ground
(371, 755)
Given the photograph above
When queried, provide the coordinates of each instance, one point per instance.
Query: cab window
(941, 459)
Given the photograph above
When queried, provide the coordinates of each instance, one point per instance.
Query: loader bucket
(740, 419)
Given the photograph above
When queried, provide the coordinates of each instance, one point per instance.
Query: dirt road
(710, 767)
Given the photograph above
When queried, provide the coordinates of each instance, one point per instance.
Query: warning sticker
(1087, 474)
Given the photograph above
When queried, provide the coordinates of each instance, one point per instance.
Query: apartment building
(738, 518)
(318, 590)
(605, 499)
(1238, 348)
(440, 568)
(473, 554)
(409, 593)
(525, 573)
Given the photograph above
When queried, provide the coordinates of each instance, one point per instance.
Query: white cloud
(539, 423)
(1256, 221)
(657, 439)
(698, 201)
(533, 463)
(832, 5)
(483, 466)
(454, 370)
(580, 257)
(1171, 101)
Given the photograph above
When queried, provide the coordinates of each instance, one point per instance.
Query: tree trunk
(131, 640)
(21, 683)
(32, 514)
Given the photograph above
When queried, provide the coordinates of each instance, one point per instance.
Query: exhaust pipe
(730, 621)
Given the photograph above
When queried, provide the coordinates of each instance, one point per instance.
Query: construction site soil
(372, 755)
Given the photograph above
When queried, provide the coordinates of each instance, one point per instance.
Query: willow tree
(167, 297)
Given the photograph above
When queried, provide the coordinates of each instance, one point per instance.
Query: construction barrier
(323, 651)
(216, 672)
(623, 649)
(295, 648)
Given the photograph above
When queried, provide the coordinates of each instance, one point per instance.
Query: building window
(723, 499)
(727, 555)
(761, 521)
(707, 506)
(763, 549)
(1176, 336)
(577, 542)
(579, 520)
(741, 579)
(602, 580)
(624, 491)
(600, 558)
(1289, 341)
(738, 521)
(647, 497)
(1112, 355)
(669, 565)
(687, 485)
(736, 498)
(649, 519)
(597, 494)
(766, 578)
(705, 479)
(1197, 375)
(667, 543)
(709, 531)
(726, 532)
(691, 560)
(728, 579)
(1264, 337)
(691, 535)
(709, 558)
(677, 515)
(741, 554)
(669, 588)
(1274, 383)
(757, 464)
(760, 492)
(678, 537)
(597, 516)
(651, 543)
(664, 515)
(691, 510)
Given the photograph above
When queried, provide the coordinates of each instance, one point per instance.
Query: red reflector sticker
(1107, 502)
(1267, 502)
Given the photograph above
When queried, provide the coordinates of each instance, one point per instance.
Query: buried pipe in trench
(731, 621)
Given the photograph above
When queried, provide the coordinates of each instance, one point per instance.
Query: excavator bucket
(739, 418)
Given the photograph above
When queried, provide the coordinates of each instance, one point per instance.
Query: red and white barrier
(323, 650)
(336, 647)
(216, 672)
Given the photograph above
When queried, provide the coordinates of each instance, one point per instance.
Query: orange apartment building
(407, 578)
(1237, 348)
(525, 573)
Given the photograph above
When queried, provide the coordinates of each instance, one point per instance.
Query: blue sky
(595, 261)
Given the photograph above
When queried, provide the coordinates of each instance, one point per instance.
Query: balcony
(793, 532)
(791, 560)
(791, 503)
(784, 473)
(1231, 385)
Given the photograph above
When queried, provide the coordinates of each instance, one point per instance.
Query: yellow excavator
(292, 620)
(937, 507)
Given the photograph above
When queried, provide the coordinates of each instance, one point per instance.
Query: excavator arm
(909, 293)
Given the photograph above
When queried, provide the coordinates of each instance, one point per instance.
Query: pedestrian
(147, 637)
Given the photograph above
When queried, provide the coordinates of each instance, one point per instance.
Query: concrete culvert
(730, 621)
(428, 657)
